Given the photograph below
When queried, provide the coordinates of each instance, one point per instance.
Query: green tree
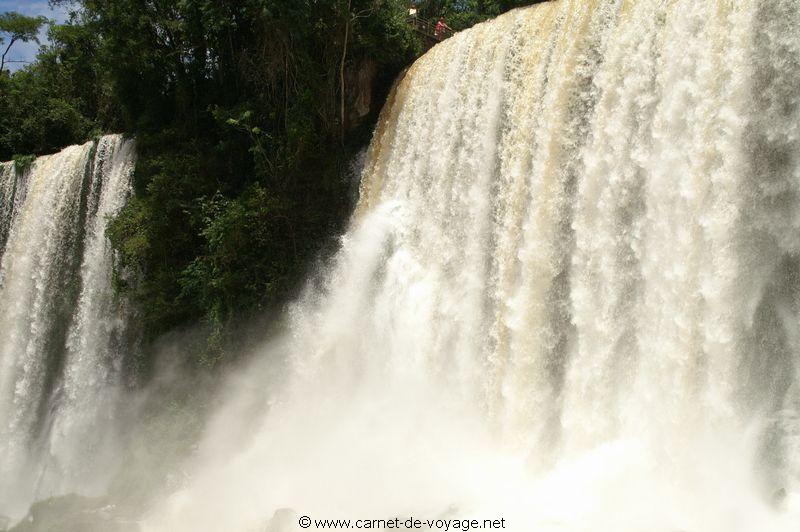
(18, 28)
(62, 98)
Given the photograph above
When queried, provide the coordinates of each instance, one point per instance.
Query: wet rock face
(361, 81)
(73, 513)
(283, 520)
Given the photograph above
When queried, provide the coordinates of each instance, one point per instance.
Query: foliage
(23, 162)
(59, 100)
(237, 108)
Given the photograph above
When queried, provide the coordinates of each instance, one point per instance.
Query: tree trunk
(3, 59)
(341, 72)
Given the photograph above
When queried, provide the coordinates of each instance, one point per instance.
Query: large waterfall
(570, 295)
(63, 334)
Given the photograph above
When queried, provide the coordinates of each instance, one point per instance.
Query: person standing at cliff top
(441, 28)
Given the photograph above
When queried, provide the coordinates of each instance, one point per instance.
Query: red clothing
(441, 27)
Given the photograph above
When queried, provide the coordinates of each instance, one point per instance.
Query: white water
(569, 297)
(62, 330)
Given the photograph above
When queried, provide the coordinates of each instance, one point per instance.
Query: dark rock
(73, 513)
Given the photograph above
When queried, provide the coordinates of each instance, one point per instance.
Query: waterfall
(64, 334)
(569, 296)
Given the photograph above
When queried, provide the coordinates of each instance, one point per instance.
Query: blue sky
(27, 51)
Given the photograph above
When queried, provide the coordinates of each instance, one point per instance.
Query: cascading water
(570, 295)
(64, 334)
(12, 192)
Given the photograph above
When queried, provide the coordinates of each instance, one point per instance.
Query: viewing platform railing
(428, 29)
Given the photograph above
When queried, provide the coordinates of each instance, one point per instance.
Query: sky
(27, 51)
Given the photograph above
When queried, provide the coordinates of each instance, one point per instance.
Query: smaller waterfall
(65, 333)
